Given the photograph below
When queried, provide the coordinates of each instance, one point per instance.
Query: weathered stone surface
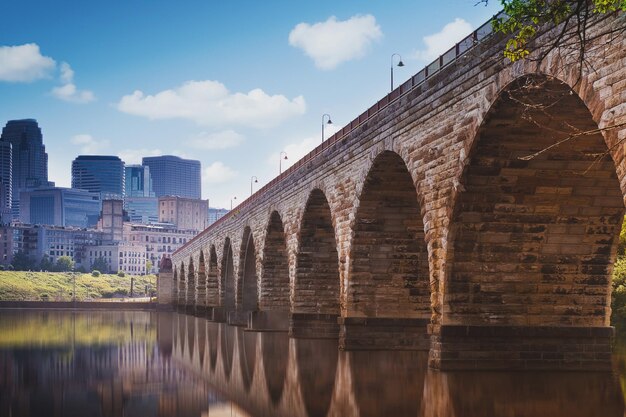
(427, 207)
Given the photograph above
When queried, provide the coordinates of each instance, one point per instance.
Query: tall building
(184, 213)
(6, 181)
(138, 181)
(59, 207)
(99, 174)
(29, 158)
(172, 175)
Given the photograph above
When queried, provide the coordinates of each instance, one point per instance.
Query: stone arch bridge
(423, 224)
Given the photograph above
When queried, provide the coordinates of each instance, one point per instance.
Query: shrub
(95, 273)
(121, 274)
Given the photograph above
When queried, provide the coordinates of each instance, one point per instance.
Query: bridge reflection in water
(169, 364)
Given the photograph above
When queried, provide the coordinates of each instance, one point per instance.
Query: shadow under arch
(182, 287)
(247, 342)
(191, 285)
(317, 368)
(227, 278)
(175, 286)
(248, 285)
(389, 274)
(227, 347)
(275, 354)
(275, 277)
(212, 285)
(317, 285)
(533, 237)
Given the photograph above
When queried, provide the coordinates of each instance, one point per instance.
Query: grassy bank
(58, 286)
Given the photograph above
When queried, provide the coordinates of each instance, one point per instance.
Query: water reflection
(165, 364)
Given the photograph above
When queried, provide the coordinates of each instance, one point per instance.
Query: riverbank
(59, 286)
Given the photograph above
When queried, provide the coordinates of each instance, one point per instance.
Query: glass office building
(29, 158)
(174, 176)
(58, 206)
(142, 209)
(99, 174)
(138, 181)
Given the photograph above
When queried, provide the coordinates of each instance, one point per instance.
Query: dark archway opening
(212, 286)
(228, 278)
(247, 275)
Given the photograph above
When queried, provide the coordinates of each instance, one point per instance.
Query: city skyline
(232, 90)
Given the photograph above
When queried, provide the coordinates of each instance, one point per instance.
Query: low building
(58, 206)
(112, 218)
(120, 256)
(214, 214)
(184, 213)
(159, 239)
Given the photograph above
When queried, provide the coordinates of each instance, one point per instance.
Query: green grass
(20, 285)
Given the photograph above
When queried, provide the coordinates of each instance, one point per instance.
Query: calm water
(164, 364)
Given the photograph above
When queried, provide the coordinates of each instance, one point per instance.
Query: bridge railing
(445, 59)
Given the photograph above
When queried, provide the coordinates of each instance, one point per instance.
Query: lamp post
(400, 64)
(330, 122)
(255, 180)
(231, 202)
(280, 161)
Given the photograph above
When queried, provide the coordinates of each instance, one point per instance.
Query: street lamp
(231, 202)
(330, 122)
(400, 64)
(280, 161)
(255, 180)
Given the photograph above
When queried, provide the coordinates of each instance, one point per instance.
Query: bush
(121, 274)
(618, 300)
(95, 273)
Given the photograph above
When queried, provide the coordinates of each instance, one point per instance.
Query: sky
(230, 83)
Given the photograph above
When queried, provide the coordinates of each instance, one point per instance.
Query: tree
(100, 264)
(64, 264)
(524, 19)
(23, 262)
(148, 266)
(46, 264)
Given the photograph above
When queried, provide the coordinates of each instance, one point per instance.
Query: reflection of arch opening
(213, 336)
(317, 268)
(397, 381)
(275, 278)
(247, 276)
(182, 327)
(533, 239)
(201, 340)
(227, 278)
(317, 366)
(201, 284)
(182, 287)
(227, 345)
(247, 355)
(212, 285)
(389, 261)
(191, 336)
(275, 351)
(191, 287)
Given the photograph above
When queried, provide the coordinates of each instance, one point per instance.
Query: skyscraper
(29, 157)
(99, 174)
(174, 176)
(138, 181)
(6, 177)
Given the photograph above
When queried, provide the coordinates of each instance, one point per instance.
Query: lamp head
(255, 180)
(285, 157)
(329, 122)
(400, 64)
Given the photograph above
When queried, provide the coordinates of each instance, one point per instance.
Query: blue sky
(229, 83)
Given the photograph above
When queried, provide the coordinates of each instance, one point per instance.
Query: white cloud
(68, 91)
(134, 156)
(440, 42)
(89, 145)
(217, 140)
(24, 63)
(217, 173)
(335, 41)
(210, 103)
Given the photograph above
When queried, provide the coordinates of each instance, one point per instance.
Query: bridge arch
(227, 278)
(389, 274)
(317, 281)
(201, 284)
(533, 240)
(191, 286)
(247, 288)
(175, 285)
(212, 285)
(274, 286)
